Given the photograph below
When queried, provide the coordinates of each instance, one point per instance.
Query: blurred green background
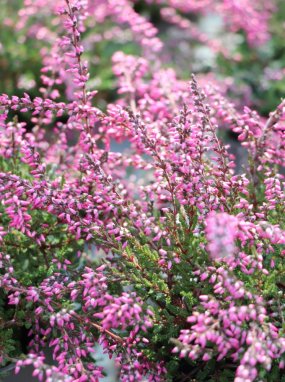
(258, 76)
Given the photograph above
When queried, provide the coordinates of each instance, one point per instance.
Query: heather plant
(162, 253)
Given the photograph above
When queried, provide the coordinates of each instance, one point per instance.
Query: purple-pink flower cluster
(175, 229)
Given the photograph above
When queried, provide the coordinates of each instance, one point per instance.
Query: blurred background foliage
(259, 74)
(19, 57)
